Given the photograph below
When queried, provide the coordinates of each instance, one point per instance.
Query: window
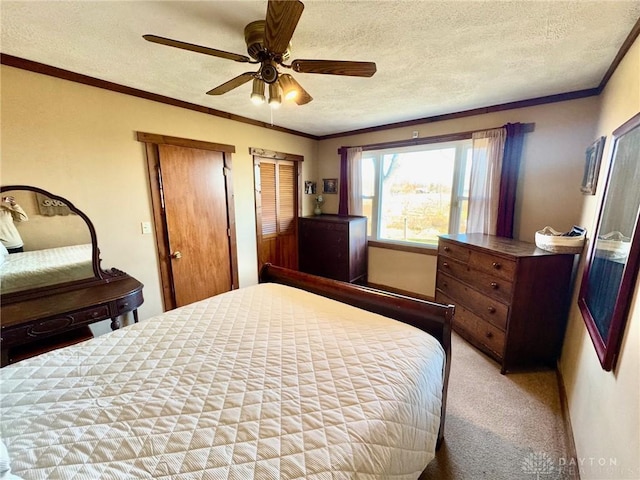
(413, 194)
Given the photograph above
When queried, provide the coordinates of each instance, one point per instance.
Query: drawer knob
(492, 309)
(494, 285)
(124, 305)
(445, 264)
(489, 335)
(95, 314)
(446, 249)
(496, 265)
(445, 284)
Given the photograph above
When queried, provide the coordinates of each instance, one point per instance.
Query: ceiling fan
(268, 45)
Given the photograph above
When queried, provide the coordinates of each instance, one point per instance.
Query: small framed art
(310, 187)
(592, 167)
(329, 185)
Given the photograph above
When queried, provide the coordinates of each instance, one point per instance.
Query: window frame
(463, 148)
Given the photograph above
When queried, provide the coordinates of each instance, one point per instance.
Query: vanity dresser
(55, 289)
(511, 297)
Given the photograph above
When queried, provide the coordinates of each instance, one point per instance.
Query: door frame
(257, 154)
(151, 142)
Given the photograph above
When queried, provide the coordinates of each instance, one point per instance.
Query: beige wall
(548, 187)
(605, 406)
(80, 142)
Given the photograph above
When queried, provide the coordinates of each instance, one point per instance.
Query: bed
(39, 268)
(290, 378)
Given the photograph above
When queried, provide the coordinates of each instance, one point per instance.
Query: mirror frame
(608, 348)
(100, 276)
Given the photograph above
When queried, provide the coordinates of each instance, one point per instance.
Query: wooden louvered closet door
(277, 212)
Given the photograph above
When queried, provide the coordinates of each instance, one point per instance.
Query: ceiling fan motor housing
(254, 38)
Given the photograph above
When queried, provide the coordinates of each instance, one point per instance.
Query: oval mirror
(58, 248)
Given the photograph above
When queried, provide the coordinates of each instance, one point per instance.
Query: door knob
(176, 255)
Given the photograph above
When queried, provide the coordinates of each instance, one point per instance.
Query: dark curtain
(343, 201)
(509, 179)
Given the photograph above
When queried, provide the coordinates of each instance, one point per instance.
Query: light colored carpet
(500, 427)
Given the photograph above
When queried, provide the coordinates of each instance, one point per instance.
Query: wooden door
(192, 198)
(196, 214)
(277, 211)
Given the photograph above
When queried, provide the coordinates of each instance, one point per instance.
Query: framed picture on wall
(592, 167)
(310, 187)
(329, 185)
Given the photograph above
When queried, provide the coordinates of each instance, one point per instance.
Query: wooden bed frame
(433, 318)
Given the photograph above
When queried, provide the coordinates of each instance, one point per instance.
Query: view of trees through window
(414, 196)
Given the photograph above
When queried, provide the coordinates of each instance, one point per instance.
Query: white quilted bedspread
(38, 268)
(265, 382)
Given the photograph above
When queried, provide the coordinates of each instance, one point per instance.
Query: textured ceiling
(433, 56)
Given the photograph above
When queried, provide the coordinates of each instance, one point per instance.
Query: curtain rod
(450, 137)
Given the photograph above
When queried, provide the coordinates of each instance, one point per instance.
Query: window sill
(422, 250)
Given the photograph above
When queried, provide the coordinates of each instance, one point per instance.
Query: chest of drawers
(333, 246)
(511, 297)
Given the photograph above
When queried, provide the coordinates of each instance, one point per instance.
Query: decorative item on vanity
(319, 203)
(557, 242)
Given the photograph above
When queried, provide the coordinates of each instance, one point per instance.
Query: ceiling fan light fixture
(257, 92)
(289, 86)
(275, 98)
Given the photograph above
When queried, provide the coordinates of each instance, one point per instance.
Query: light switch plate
(146, 227)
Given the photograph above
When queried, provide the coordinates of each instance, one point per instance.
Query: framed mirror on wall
(613, 256)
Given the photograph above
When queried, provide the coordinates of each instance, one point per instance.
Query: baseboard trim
(566, 419)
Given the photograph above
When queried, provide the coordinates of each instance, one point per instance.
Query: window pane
(416, 195)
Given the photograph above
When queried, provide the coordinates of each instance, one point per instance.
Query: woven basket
(553, 241)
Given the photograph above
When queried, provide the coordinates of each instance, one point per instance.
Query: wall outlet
(414, 134)
(145, 227)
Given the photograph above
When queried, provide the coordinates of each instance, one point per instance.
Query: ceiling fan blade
(281, 22)
(231, 84)
(196, 48)
(335, 67)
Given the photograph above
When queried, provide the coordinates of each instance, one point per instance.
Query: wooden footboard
(433, 318)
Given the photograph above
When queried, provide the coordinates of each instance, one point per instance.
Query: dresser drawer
(498, 266)
(53, 326)
(94, 313)
(475, 329)
(494, 286)
(485, 307)
(453, 250)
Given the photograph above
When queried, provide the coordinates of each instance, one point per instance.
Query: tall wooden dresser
(511, 297)
(333, 246)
